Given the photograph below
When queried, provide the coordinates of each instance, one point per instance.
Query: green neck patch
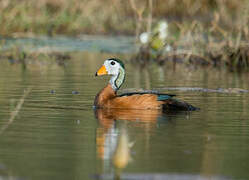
(120, 78)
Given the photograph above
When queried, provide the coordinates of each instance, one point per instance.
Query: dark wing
(170, 103)
(160, 96)
(178, 105)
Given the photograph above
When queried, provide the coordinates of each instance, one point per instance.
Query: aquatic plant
(216, 41)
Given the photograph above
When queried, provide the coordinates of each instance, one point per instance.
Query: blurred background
(50, 51)
(51, 17)
(212, 32)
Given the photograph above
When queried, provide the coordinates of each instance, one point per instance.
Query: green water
(56, 135)
(111, 44)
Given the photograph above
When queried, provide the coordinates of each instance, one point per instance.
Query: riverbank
(53, 17)
(212, 33)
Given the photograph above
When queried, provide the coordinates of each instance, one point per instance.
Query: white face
(112, 67)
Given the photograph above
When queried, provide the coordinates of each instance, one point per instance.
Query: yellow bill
(101, 71)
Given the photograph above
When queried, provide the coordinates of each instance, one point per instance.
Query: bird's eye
(112, 63)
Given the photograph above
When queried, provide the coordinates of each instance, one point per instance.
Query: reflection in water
(163, 176)
(6, 174)
(122, 150)
(212, 142)
(106, 117)
(111, 136)
(122, 155)
(15, 112)
(113, 143)
(113, 146)
(141, 71)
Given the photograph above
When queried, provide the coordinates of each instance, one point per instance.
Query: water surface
(116, 44)
(57, 135)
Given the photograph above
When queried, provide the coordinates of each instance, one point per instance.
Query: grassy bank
(212, 32)
(51, 17)
(73, 17)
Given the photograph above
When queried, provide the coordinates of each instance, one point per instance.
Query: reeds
(52, 17)
(217, 31)
(112, 16)
(17, 109)
(219, 36)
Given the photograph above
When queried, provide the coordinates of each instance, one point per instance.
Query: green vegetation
(214, 31)
(115, 16)
(52, 17)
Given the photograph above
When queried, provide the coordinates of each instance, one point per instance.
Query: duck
(108, 98)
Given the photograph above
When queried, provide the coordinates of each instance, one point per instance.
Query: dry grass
(116, 16)
(203, 32)
(217, 30)
(60, 17)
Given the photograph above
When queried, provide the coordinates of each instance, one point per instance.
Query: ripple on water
(57, 135)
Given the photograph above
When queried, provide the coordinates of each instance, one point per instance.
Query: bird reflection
(121, 156)
(112, 138)
(107, 117)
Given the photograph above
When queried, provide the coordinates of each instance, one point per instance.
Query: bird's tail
(177, 105)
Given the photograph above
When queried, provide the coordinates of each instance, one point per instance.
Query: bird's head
(111, 66)
(116, 69)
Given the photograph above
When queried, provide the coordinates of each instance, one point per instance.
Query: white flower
(144, 38)
(163, 25)
(162, 35)
(162, 28)
(168, 48)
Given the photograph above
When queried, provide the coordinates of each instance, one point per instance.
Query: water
(117, 44)
(57, 135)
